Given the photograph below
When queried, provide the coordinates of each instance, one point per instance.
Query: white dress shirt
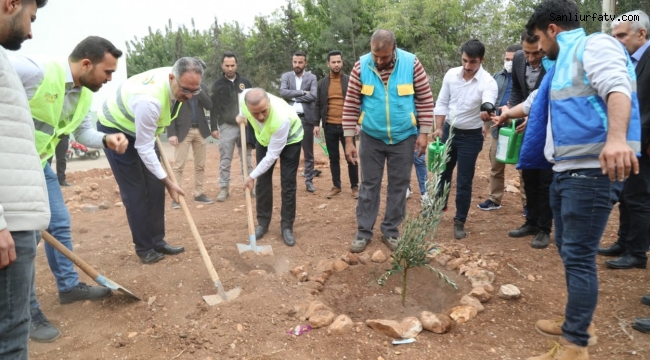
(297, 105)
(276, 145)
(460, 101)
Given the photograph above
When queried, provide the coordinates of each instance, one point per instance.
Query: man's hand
(499, 120)
(351, 151)
(357, 128)
(241, 120)
(520, 129)
(437, 133)
(117, 142)
(485, 116)
(617, 160)
(173, 189)
(7, 249)
(215, 134)
(421, 144)
(317, 131)
(173, 140)
(249, 184)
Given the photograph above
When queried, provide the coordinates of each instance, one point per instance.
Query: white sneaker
(408, 193)
(424, 198)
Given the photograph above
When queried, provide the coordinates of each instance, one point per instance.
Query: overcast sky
(62, 24)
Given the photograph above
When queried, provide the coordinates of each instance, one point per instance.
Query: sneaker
(203, 199)
(488, 205)
(335, 191)
(390, 241)
(83, 292)
(564, 350)
(355, 192)
(40, 328)
(175, 205)
(424, 198)
(223, 194)
(408, 193)
(553, 329)
(359, 245)
(459, 230)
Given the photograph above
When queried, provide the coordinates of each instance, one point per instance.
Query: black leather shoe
(645, 300)
(310, 187)
(287, 236)
(151, 257)
(626, 261)
(171, 250)
(642, 325)
(614, 250)
(260, 231)
(541, 241)
(524, 230)
(64, 183)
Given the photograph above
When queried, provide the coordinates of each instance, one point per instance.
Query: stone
(531, 278)
(487, 287)
(87, 208)
(93, 186)
(350, 258)
(443, 259)
(105, 205)
(319, 278)
(321, 319)
(509, 292)
(151, 300)
(340, 265)
(436, 323)
(257, 272)
(119, 204)
(472, 301)
(411, 327)
(325, 265)
(132, 334)
(378, 256)
(298, 269)
(364, 258)
(512, 189)
(480, 275)
(313, 307)
(303, 276)
(387, 327)
(298, 310)
(94, 196)
(341, 325)
(200, 206)
(462, 314)
(77, 189)
(456, 263)
(240, 328)
(481, 294)
(313, 285)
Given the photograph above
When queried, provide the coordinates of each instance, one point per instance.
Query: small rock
(531, 278)
(322, 206)
(298, 269)
(480, 275)
(364, 258)
(132, 334)
(105, 205)
(378, 256)
(303, 276)
(240, 328)
(456, 263)
(443, 259)
(472, 301)
(411, 327)
(87, 208)
(462, 314)
(77, 189)
(341, 325)
(512, 189)
(200, 206)
(257, 272)
(313, 307)
(340, 265)
(487, 287)
(298, 310)
(93, 186)
(387, 327)
(398, 290)
(320, 278)
(94, 196)
(152, 299)
(313, 285)
(325, 265)
(437, 323)
(481, 294)
(350, 258)
(119, 204)
(321, 319)
(509, 291)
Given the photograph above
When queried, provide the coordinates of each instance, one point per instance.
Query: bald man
(279, 133)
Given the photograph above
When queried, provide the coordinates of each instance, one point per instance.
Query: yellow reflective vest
(280, 111)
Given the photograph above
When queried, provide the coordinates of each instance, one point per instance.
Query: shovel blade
(101, 280)
(266, 250)
(213, 300)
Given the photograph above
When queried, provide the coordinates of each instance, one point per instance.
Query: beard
(298, 70)
(86, 82)
(17, 36)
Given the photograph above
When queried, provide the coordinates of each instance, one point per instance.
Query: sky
(62, 24)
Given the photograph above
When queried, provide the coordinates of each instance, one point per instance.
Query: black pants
(289, 161)
(634, 228)
(143, 195)
(334, 135)
(308, 148)
(536, 185)
(60, 152)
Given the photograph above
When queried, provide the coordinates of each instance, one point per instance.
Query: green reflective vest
(280, 111)
(47, 109)
(116, 113)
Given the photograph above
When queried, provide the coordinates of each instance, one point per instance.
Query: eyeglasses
(187, 91)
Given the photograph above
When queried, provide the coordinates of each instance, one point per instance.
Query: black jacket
(225, 103)
(180, 126)
(519, 92)
(322, 98)
(643, 93)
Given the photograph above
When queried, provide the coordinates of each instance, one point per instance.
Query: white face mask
(508, 66)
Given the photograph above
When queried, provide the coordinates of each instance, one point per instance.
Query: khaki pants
(497, 176)
(229, 137)
(197, 142)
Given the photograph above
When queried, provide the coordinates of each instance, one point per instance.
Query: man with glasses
(141, 108)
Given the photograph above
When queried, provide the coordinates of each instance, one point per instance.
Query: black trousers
(143, 195)
(60, 152)
(334, 136)
(308, 148)
(289, 161)
(634, 228)
(536, 185)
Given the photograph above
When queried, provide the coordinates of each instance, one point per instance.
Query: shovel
(99, 278)
(252, 240)
(222, 295)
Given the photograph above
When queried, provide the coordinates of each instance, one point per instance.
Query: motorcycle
(79, 150)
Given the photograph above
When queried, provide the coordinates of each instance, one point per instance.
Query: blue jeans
(15, 285)
(420, 164)
(581, 201)
(62, 268)
(465, 147)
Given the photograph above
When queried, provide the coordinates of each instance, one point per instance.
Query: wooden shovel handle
(69, 254)
(249, 206)
(199, 242)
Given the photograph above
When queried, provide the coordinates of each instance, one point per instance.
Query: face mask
(508, 66)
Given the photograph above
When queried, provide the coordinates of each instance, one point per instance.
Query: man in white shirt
(464, 89)
(279, 134)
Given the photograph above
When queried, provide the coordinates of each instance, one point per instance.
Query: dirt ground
(173, 322)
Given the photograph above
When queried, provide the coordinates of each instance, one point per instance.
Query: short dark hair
(473, 48)
(94, 48)
(229, 54)
(301, 53)
(513, 48)
(334, 53)
(528, 37)
(39, 3)
(563, 13)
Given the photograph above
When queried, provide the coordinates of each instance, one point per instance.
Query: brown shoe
(564, 350)
(355, 192)
(553, 329)
(335, 191)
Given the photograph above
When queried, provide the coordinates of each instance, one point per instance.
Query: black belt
(468, 131)
(334, 125)
(194, 125)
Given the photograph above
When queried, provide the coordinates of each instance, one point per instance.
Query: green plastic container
(435, 154)
(509, 145)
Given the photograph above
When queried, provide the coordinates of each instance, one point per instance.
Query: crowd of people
(581, 102)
